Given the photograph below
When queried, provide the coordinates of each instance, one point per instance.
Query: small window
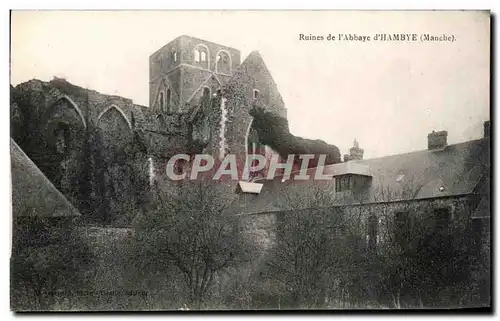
(223, 63)
(477, 233)
(151, 168)
(442, 219)
(161, 120)
(201, 55)
(255, 147)
(205, 99)
(401, 227)
(62, 137)
(132, 119)
(256, 94)
(342, 183)
(206, 93)
(161, 101)
(169, 107)
(174, 56)
(372, 232)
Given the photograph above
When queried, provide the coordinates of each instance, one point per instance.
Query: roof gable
(32, 192)
(254, 74)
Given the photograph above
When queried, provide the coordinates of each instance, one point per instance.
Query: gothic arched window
(201, 55)
(223, 63)
(254, 147)
(169, 104)
(206, 96)
(372, 232)
(61, 138)
(161, 100)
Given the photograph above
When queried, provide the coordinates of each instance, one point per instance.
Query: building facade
(102, 150)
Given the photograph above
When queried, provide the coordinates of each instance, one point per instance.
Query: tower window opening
(372, 232)
(255, 147)
(223, 62)
(62, 137)
(201, 55)
(169, 107)
(206, 94)
(161, 100)
(256, 94)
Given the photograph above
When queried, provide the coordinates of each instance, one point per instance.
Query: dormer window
(343, 183)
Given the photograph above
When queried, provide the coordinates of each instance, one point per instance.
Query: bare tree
(305, 238)
(415, 260)
(191, 230)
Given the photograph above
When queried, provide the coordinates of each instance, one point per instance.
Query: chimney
(437, 140)
(356, 153)
(487, 129)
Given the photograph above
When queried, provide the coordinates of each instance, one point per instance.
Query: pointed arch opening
(223, 62)
(71, 104)
(254, 147)
(161, 101)
(202, 56)
(111, 109)
(168, 103)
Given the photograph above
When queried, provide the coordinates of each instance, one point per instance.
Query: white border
(149, 4)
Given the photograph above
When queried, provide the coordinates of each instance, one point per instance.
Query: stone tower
(188, 70)
(185, 70)
(356, 153)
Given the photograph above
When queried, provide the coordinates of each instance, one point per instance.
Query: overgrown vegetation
(189, 230)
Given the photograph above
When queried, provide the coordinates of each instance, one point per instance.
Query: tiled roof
(453, 171)
(32, 193)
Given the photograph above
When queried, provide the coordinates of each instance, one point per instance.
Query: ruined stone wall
(84, 142)
(263, 226)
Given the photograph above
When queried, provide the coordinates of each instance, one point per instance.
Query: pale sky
(387, 95)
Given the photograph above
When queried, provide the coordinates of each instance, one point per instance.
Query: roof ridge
(364, 161)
